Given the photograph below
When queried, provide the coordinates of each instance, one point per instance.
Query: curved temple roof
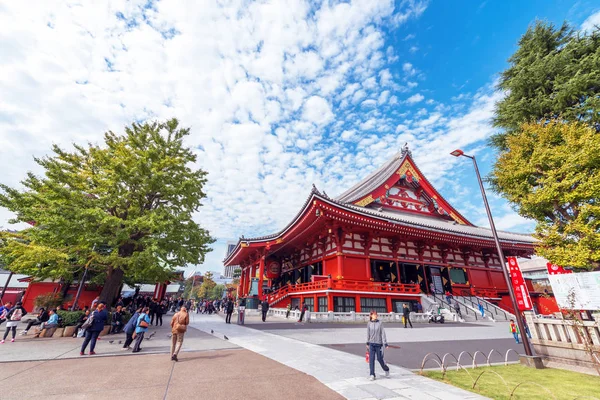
(356, 199)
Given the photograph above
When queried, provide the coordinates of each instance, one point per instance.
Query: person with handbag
(179, 324)
(130, 329)
(141, 326)
(93, 326)
(13, 316)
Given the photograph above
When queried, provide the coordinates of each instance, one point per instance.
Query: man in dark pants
(152, 311)
(406, 315)
(229, 311)
(265, 309)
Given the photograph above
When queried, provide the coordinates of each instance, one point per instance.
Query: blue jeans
(90, 337)
(527, 332)
(516, 336)
(375, 349)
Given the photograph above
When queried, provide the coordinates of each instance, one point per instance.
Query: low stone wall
(351, 317)
(564, 341)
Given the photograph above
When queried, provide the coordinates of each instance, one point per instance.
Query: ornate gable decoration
(408, 191)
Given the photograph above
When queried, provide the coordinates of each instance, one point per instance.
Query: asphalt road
(410, 355)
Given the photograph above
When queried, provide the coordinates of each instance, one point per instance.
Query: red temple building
(382, 243)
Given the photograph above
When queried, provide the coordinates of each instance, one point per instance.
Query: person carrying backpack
(179, 324)
(13, 317)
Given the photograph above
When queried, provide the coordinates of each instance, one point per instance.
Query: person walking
(302, 312)
(229, 310)
(265, 310)
(289, 309)
(13, 317)
(141, 327)
(95, 325)
(514, 329)
(406, 315)
(160, 310)
(4, 311)
(130, 329)
(457, 309)
(179, 324)
(375, 341)
(449, 297)
(152, 309)
(525, 326)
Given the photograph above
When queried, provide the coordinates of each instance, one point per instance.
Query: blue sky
(278, 95)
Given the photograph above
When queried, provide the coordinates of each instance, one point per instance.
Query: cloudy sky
(279, 95)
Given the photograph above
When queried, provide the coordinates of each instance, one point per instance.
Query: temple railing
(350, 285)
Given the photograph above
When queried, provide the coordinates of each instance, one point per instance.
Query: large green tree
(123, 209)
(555, 73)
(551, 172)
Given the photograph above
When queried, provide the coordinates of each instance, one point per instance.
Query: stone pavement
(216, 375)
(30, 348)
(345, 373)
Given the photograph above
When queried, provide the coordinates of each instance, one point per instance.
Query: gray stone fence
(564, 341)
(354, 316)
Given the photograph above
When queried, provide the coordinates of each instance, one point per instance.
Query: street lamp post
(526, 343)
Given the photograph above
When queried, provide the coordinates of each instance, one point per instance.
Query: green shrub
(48, 300)
(70, 318)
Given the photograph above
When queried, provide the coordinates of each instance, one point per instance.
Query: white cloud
(591, 22)
(271, 91)
(317, 110)
(415, 98)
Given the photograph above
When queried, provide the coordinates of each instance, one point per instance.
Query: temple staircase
(467, 314)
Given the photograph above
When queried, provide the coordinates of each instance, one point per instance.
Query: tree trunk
(110, 291)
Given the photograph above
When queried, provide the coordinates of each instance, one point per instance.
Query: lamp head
(457, 153)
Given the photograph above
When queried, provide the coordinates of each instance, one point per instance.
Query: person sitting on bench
(41, 317)
(51, 323)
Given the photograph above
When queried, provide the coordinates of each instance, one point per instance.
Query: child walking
(514, 329)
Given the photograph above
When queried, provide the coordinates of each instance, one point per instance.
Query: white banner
(585, 286)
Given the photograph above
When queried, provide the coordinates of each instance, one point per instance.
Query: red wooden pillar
(261, 276)
(388, 303)
(316, 303)
(357, 307)
(242, 290)
(329, 301)
(368, 268)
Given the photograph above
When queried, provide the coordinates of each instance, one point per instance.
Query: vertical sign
(518, 284)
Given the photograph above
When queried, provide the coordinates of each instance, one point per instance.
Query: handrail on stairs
(445, 305)
(495, 310)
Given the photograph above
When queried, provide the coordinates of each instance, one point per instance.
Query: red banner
(518, 284)
(554, 269)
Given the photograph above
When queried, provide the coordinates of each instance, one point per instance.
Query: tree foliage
(551, 173)
(206, 288)
(123, 209)
(555, 73)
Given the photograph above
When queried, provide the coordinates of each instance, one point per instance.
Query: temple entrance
(439, 281)
(384, 271)
(409, 273)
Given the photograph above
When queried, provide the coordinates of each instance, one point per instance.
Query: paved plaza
(256, 361)
(408, 346)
